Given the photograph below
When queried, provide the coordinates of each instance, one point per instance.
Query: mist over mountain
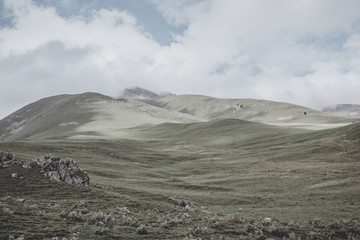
(349, 110)
(142, 94)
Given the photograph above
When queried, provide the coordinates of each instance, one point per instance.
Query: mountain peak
(141, 93)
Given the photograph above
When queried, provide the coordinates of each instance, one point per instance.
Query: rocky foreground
(32, 207)
(65, 170)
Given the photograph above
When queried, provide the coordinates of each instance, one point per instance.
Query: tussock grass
(290, 177)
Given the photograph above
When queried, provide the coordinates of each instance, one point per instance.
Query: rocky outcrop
(142, 94)
(65, 170)
(7, 159)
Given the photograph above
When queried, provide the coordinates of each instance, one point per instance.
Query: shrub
(101, 219)
(142, 229)
(198, 231)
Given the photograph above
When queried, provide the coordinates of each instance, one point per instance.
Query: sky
(304, 52)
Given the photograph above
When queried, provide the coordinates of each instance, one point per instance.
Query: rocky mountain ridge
(142, 94)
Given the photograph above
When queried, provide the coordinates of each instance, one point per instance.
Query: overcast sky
(305, 52)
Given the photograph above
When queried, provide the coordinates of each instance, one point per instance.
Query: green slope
(219, 132)
(88, 115)
(276, 113)
(49, 117)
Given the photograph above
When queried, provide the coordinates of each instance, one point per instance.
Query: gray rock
(189, 205)
(65, 170)
(14, 175)
(53, 175)
(7, 159)
(123, 209)
(26, 165)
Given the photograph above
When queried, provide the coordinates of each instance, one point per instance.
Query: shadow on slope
(264, 111)
(49, 117)
(220, 132)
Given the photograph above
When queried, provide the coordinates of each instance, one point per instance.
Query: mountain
(141, 94)
(49, 117)
(348, 110)
(92, 115)
(157, 166)
(263, 111)
(83, 115)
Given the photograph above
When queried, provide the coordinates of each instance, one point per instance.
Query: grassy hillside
(264, 111)
(292, 176)
(92, 115)
(220, 132)
(240, 179)
(49, 117)
(83, 116)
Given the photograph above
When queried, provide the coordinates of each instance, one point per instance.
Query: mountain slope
(219, 132)
(92, 115)
(48, 117)
(83, 115)
(241, 169)
(276, 113)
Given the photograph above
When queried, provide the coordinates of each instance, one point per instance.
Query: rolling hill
(264, 111)
(182, 167)
(88, 114)
(92, 115)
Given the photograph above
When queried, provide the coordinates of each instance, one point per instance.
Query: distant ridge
(142, 94)
(347, 110)
(94, 116)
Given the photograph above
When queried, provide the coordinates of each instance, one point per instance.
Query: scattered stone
(267, 220)
(7, 159)
(14, 175)
(26, 165)
(189, 205)
(58, 238)
(22, 237)
(142, 230)
(20, 200)
(123, 209)
(65, 170)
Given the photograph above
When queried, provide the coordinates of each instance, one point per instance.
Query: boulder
(26, 165)
(7, 159)
(65, 170)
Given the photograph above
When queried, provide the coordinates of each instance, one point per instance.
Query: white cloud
(45, 54)
(259, 45)
(304, 52)
(181, 12)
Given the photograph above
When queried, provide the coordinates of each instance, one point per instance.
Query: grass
(289, 176)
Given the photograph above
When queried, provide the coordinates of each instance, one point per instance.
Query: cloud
(304, 52)
(44, 54)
